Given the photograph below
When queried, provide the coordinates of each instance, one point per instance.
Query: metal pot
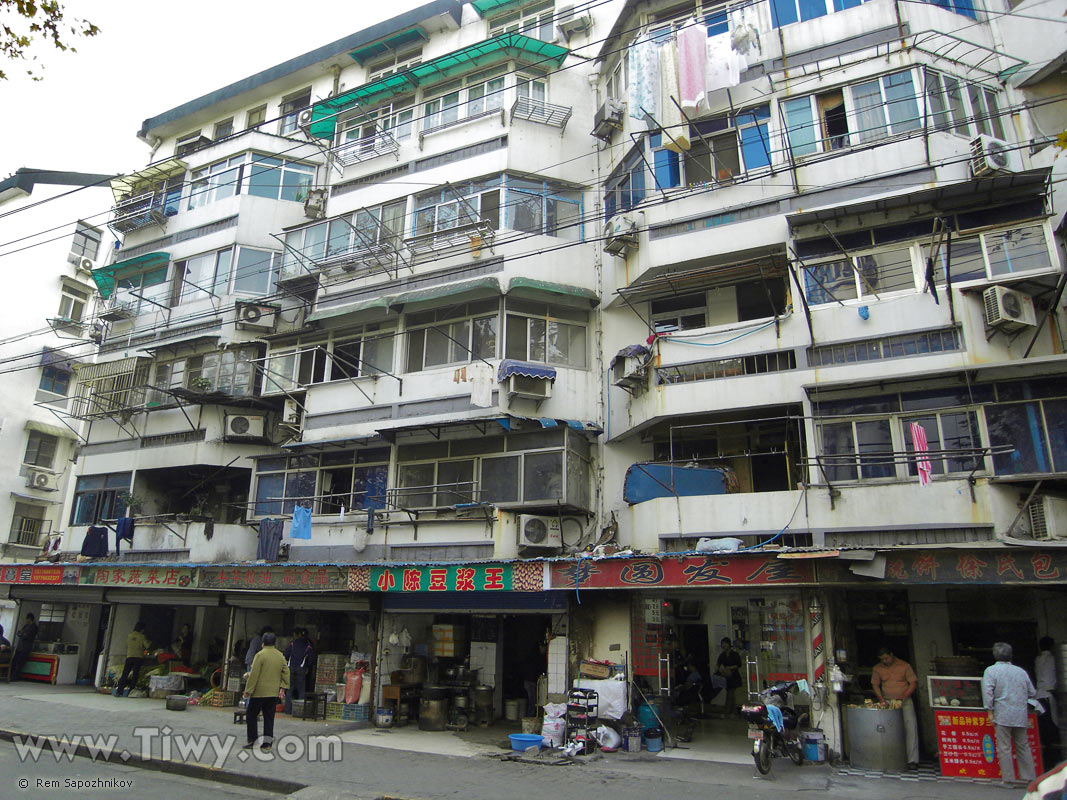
(483, 696)
(463, 674)
(461, 701)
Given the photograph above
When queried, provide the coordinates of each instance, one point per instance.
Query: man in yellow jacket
(137, 647)
(267, 682)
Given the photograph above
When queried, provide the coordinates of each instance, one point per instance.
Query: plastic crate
(355, 712)
(223, 699)
(334, 710)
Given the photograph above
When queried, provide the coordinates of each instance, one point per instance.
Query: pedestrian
(185, 644)
(253, 646)
(1047, 723)
(267, 681)
(299, 655)
(137, 647)
(533, 667)
(1006, 690)
(894, 679)
(728, 667)
(24, 640)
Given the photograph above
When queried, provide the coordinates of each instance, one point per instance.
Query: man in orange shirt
(893, 679)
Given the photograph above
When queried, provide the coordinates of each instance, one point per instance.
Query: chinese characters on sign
(967, 745)
(462, 578)
(976, 567)
(680, 572)
(28, 573)
(305, 578)
(141, 577)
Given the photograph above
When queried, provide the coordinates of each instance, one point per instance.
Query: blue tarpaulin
(510, 366)
(645, 482)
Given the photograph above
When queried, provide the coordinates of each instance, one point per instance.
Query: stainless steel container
(876, 738)
(433, 714)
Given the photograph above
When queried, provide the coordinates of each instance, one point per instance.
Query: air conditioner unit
(292, 414)
(86, 265)
(1007, 308)
(990, 155)
(608, 119)
(315, 205)
(256, 316)
(96, 332)
(1048, 518)
(620, 234)
(571, 24)
(530, 388)
(629, 372)
(303, 121)
(243, 426)
(43, 481)
(535, 531)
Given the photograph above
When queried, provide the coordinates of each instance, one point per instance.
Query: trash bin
(654, 739)
(876, 738)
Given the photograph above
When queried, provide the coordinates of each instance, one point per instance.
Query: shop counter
(55, 668)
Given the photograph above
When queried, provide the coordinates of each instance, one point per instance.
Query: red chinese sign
(474, 578)
(967, 744)
(680, 572)
(967, 566)
(140, 577)
(305, 578)
(29, 573)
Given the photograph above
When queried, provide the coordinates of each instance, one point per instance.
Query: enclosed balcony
(147, 197)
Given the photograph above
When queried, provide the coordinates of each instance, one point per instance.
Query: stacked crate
(222, 699)
(447, 640)
(329, 671)
(355, 712)
(334, 711)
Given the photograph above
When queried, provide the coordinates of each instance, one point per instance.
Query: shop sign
(682, 572)
(141, 577)
(967, 745)
(28, 573)
(305, 578)
(968, 566)
(458, 578)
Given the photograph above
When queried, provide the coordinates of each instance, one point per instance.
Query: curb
(188, 770)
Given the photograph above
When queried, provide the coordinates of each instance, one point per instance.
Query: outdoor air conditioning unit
(571, 24)
(530, 388)
(86, 265)
(1006, 308)
(620, 234)
(535, 531)
(629, 372)
(243, 426)
(1048, 518)
(96, 332)
(315, 205)
(256, 316)
(990, 155)
(292, 414)
(608, 119)
(304, 121)
(43, 481)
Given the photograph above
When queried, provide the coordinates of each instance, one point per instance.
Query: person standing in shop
(1045, 677)
(254, 644)
(137, 647)
(1006, 690)
(24, 640)
(267, 683)
(894, 680)
(728, 667)
(299, 656)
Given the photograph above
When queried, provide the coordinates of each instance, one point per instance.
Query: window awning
(347, 443)
(397, 40)
(53, 357)
(534, 285)
(125, 185)
(382, 301)
(445, 290)
(37, 501)
(484, 7)
(499, 48)
(52, 430)
(107, 369)
(105, 277)
(510, 366)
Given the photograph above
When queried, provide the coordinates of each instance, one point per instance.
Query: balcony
(356, 151)
(541, 112)
(151, 208)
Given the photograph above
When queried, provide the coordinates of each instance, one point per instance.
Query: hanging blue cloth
(775, 715)
(270, 536)
(124, 529)
(301, 527)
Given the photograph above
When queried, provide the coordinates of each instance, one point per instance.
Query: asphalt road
(50, 780)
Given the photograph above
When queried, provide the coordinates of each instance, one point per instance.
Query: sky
(148, 58)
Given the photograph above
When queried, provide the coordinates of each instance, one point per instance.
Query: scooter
(767, 740)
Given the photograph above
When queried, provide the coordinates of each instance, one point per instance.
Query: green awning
(446, 290)
(553, 288)
(394, 42)
(500, 48)
(58, 431)
(125, 185)
(105, 277)
(484, 7)
(348, 308)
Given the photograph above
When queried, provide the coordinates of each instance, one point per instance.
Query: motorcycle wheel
(796, 752)
(762, 757)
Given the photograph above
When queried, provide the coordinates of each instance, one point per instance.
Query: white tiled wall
(557, 665)
(483, 659)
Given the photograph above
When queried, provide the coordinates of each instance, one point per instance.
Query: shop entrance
(524, 656)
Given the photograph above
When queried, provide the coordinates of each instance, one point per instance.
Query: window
(142, 292)
(99, 497)
(228, 371)
(536, 332)
(758, 364)
(85, 244)
(873, 274)
(949, 431)
(255, 272)
(997, 254)
(205, 275)
(615, 86)
(256, 117)
(905, 345)
(784, 12)
(190, 143)
(54, 380)
(371, 130)
(41, 450)
(349, 479)
(536, 21)
(72, 302)
(215, 182)
(457, 206)
(28, 524)
(354, 352)
(452, 335)
(885, 106)
(280, 179)
(964, 7)
(291, 108)
(679, 313)
(721, 148)
(625, 187)
(543, 207)
(223, 129)
(395, 63)
(465, 98)
(532, 92)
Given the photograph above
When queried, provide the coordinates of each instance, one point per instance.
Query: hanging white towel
(481, 379)
(692, 54)
(675, 129)
(643, 79)
(724, 64)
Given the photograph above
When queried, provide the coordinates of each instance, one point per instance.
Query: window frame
(106, 501)
(55, 380)
(536, 20)
(984, 237)
(289, 110)
(376, 459)
(41, 450)
(73, 302)
(314, 354)
(417, 339)
(515, 310)
(85, 243)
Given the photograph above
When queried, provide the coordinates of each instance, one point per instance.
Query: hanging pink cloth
(919, 445)
(692, 53)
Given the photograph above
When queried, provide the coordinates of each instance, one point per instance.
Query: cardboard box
(593, 669)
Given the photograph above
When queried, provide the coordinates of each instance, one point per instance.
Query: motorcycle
(767, 740)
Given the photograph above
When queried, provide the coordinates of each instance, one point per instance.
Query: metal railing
(150, 208)
(539, 111)
(356, 151)
(29, 530)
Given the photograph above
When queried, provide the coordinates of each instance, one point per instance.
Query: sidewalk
(406, 762)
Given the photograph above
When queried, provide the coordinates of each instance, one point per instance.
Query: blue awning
(510, 366)
(630, 351)
(645, 482)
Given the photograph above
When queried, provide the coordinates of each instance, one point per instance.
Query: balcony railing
(542, 112)
(29, 530)
(151, 208)
(356, 151)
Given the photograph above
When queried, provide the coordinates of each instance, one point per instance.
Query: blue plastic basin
(522, 741)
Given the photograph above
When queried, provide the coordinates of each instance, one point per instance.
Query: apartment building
(465, 295)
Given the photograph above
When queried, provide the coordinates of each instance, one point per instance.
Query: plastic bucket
(511, 710)
(654, 739)
(631, 740)
(814, 746)
(531, 724)
(384, 717)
